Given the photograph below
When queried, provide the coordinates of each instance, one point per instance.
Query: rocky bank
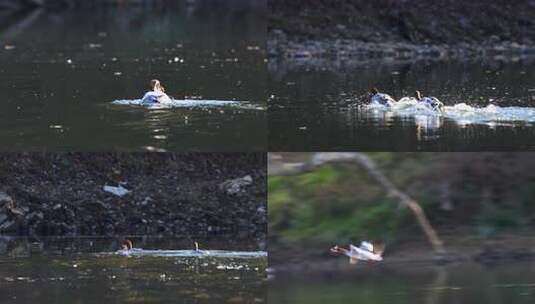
(191, 194)
(400, 29)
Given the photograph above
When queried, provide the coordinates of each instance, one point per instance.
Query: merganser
(432, 102)
(381, 98)
(366, 252)
(126, 244)
(156, 95)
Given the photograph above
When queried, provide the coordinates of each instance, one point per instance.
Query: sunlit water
(462, 114)
(190, 103)
(61, 70)
(90, 271)
(490, 105)
(461, 283)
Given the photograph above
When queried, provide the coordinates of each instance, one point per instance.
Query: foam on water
(461, 113)
(187, 103)
(192, 253)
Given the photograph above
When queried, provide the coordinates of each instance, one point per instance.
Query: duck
(156, 94)
(432, 102)
(127, 245)
(381, 98)
(365, 252)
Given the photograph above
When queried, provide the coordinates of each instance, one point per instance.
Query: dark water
(60, 70)
(461, 284)
(310, 109)
(80, 271)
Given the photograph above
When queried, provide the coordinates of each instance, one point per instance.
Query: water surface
(462, 284)
(60, 71)
(83, 270)
(490, 106)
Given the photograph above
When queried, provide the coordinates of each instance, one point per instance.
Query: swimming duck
(156, 95)
(366, 252)
(432, 102)
(126, 244)
(381, 98)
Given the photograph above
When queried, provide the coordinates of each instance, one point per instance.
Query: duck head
(418, 95)
(126, 244)
(373, 91)
(338, 250)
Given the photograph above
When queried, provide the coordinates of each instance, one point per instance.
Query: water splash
(136, 252)
(188, 103)
(462, 114)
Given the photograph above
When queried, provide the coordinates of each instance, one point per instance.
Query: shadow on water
(66, 270)
(461, 283)
(314, 108)
(61, 69)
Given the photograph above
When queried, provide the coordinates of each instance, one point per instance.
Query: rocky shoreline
(399, 30)
(280, 46)
(191, 194)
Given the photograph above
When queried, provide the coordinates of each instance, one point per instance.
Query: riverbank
(400, 30)
(190, 194)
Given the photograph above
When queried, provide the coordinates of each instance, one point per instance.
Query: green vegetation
(482, 193)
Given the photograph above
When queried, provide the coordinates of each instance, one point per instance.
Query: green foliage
(331, 203)
(493, 218)
(489, 192)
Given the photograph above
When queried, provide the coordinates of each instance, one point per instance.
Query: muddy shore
(400, 30)
(191, 194)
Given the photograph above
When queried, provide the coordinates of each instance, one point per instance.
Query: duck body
(432, 102)
(362, 253)
(365, 252)
(382, 99)
(153, 97)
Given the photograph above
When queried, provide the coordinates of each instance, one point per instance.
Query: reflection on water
(60, 70)
(461, 284)
(76, 271)
(489, 105)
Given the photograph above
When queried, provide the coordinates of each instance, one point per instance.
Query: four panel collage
(267, 151)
